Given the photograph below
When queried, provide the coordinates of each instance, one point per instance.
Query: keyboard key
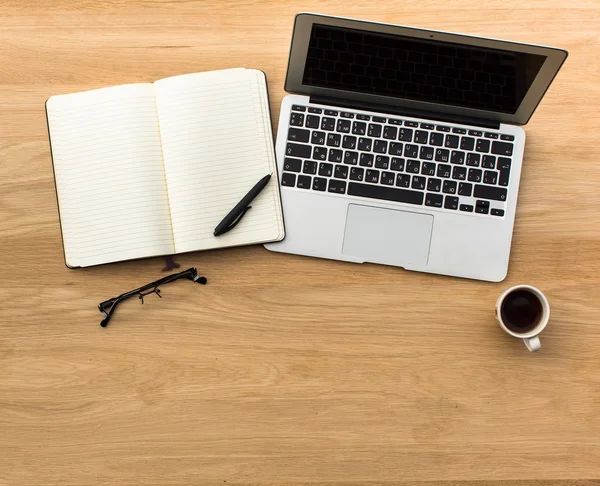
(349, 142)
(325, 170)
(366, 160)
(473, 159)
(319, 153)
(390, 132)
(297, 150)
(319, 184)
(411, 124)
(442, 155)
(426, 153)
(359, 128)
(497, 212)
(418, 182)
(449, 187)
(509, 138)
(340, 172)
(413, 166)
(434, 185)
(327, 123)
(395, 121)
(442, 128)
(451, 141)
(466, 207)
(490, 192)
(490, 177)
(434, 200)
(502, 148)
(504, 167)
(459, 173)
(288, 179)
(482, 207)
(385, 193)
(317, 138)
(313, 121)
(312, 109)
(335, 155)
(304, 182)
(421, 136)
(467, 143)
(451, 202)
(374, 130)
(380, 146)
(296, 119)
(403, 180)
(397, 164)
(379, 119)
(372, 176)
(357, 174)
(343, 126)
(345, 114)
(338, 187)
(474, 175)
(365, 144)
(382, 162)
(334, 140)
(405, 135)
(476, 133)
(428, 168)
(436, 139)
(363, 117)
(293, 165)
(488, 162)
(411, 150)
(395, 148)
(483, 145)
(427, 126)
(490, 135)
(350, 158)
(331, 112)
(444, 170)
(465, 189)
(457, 157)
(459, 130)
(388, 178)
(309, 167)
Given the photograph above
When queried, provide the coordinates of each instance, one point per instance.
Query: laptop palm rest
(387, 236)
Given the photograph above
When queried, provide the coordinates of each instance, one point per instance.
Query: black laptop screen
(419, 69)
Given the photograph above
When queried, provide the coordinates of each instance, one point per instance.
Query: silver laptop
(402, 146)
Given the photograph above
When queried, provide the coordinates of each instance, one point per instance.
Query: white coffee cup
(528, 333)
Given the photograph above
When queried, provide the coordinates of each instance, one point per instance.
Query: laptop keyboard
(395, 159)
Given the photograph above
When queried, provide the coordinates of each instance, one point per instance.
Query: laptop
(403, 146)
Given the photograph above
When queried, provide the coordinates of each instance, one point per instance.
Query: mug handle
(533, 343)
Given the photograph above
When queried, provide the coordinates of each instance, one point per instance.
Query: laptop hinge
(394, 110)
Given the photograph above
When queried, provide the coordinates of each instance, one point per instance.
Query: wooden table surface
(289, 370)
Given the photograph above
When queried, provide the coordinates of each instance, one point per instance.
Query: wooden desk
(288, 370)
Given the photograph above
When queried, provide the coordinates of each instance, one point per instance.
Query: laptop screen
(419, 69)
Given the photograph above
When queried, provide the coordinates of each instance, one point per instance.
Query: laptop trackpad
(387, 236)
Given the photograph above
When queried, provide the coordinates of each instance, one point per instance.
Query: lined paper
(110, 177)
(215, 139)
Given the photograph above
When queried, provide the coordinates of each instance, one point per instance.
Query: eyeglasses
(107, 308)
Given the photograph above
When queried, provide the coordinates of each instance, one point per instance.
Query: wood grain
(288, 370)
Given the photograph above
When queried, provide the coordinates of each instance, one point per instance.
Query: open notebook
(144, 170)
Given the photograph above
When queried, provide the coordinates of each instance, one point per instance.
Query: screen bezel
(300, 39)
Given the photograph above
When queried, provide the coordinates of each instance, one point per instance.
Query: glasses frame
(107, 308)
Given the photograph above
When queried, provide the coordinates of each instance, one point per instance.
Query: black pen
(237, 213)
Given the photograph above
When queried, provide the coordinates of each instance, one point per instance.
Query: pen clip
(237, 220)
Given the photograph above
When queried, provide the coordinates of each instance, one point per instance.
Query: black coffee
(521, 311)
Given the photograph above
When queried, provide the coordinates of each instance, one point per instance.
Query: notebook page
(214, 149)
(109, 175)
(261, 104)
